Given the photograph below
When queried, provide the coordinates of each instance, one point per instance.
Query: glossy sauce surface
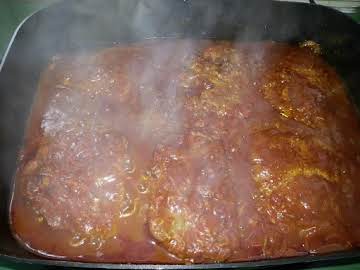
(173, 151)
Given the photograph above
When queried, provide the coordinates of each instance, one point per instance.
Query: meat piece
(93, 91)
(90, 92)
(298, 84)
(98, 74)
(193, 209)
(80, 184)
(300, 178)
(217, 80)
(220, 87)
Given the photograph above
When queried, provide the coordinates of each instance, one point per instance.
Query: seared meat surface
(189, 151)
(193, 208)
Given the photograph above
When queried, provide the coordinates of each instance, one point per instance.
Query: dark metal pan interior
(84, 24)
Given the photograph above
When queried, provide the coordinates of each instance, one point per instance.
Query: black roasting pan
(85, 24)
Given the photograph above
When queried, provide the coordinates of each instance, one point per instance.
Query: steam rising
(78, 27)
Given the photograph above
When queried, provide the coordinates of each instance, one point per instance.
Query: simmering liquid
(189, 151)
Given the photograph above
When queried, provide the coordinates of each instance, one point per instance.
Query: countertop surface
(12, 12)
